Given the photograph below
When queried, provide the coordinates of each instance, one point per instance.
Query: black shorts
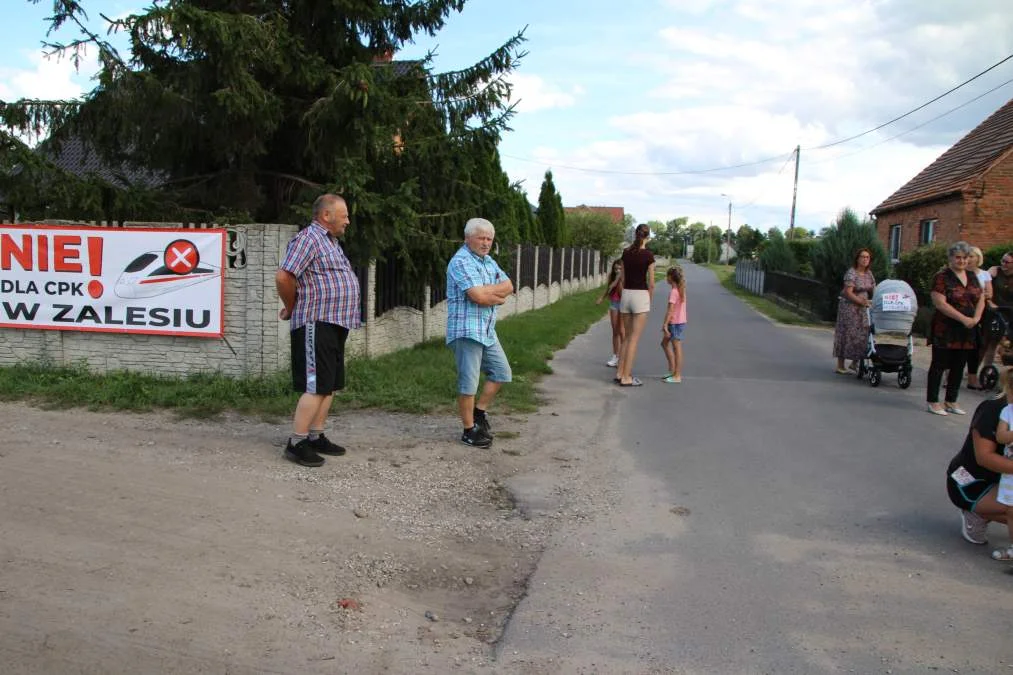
(968, 496)
(318, 358)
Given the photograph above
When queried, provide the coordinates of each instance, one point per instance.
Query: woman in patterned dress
(959, 302)
(851, 334)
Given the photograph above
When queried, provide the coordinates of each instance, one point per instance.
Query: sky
(648, 104)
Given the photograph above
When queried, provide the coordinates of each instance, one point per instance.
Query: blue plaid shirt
(466, 319)
(326, 286)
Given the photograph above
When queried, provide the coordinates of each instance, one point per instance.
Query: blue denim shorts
(614, 305)
(473, 358)
(675, 330)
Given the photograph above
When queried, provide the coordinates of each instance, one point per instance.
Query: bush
(592, 229)
(995, 253)
(918, 267)
(802, 249)
(835, 251)
(705, 250)
(777, 256)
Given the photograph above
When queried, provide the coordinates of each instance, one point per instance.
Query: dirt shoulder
(146, 543)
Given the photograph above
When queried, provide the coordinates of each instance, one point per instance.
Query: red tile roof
(969, 158)
(617, 213)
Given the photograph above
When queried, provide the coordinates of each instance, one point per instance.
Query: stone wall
(256, 342)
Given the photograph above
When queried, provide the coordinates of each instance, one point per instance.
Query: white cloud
(532, 92)
(47, 78)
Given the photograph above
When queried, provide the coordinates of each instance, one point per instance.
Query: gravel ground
(147, 543)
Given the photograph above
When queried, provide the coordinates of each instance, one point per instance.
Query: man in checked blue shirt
(476, 286)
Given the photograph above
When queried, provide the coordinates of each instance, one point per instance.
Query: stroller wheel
(989, 377)
(875, 377)
(904, 379)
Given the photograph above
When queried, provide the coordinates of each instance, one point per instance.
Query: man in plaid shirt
(475, 287)
(320, 294)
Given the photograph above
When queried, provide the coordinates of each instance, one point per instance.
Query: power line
(915, 128)
(914, 110)
(768, 160)
(651, 173)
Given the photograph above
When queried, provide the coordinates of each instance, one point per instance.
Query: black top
(986, 421)
(635, 264)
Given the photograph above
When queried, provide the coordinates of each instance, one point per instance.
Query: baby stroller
(996, 326)
(893, 311)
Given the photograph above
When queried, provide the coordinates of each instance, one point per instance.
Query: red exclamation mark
(95, 266)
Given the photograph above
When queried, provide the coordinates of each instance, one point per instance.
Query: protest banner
(119, 280)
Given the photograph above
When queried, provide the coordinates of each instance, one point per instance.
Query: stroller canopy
(894, 307)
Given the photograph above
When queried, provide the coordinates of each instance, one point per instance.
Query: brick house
(966, 194)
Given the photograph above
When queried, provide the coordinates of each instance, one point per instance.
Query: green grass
(417, 380)
(726, 276)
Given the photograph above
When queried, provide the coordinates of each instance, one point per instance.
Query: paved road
(773, 517)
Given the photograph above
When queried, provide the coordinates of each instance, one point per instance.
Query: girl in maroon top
(635, 303)
(959, 302)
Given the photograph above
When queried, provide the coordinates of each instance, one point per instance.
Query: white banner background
(154, 281)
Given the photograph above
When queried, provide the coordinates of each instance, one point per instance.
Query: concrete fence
(256, 342)
(750, 276)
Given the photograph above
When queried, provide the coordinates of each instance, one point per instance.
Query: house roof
(76, 156)
(968, 159)
(616, 213)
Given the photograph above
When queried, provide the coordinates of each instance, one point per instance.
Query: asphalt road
(770, 517)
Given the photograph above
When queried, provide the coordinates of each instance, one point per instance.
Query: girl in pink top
(674, 325)
(614, 292)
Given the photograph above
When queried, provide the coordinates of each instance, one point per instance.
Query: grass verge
(416, 380)
(726, 277)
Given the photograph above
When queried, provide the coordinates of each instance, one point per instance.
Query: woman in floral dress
(851, 335)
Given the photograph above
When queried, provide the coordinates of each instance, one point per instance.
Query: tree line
(245, 112)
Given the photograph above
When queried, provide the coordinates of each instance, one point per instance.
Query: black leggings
(974, 355)
(952, 360)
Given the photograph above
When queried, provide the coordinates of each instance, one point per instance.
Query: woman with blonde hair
(972, 477)
(975, 258)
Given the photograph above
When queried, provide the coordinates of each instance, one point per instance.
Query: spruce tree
(551, 217)
(251, 109)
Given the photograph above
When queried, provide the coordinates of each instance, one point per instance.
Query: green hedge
(995, 253)
(919, 267)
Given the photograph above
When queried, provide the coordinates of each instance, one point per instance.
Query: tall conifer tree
(249, 109)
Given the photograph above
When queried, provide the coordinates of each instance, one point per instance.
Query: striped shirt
(466, 319)
(326, 286)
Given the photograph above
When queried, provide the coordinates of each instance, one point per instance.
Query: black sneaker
(482, 422)
(476, 438)
(302, 453)
(324, 446)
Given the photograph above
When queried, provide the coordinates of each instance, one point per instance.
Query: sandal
(633, 383)
(1003, 554)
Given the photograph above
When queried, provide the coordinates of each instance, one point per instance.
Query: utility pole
(728, 237)
(709, 247)
(794, 194)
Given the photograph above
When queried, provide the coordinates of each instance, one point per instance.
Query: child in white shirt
(1004, 494)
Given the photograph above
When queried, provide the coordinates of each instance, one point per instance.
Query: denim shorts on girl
(675, 330)
(614, 305)
(472, 358)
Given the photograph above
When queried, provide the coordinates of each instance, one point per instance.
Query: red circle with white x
(181, 256)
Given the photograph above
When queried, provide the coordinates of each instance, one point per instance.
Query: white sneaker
(612, 362)
(973, 527)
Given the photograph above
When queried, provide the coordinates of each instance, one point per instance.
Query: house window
(895, 243)
(928, 232)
